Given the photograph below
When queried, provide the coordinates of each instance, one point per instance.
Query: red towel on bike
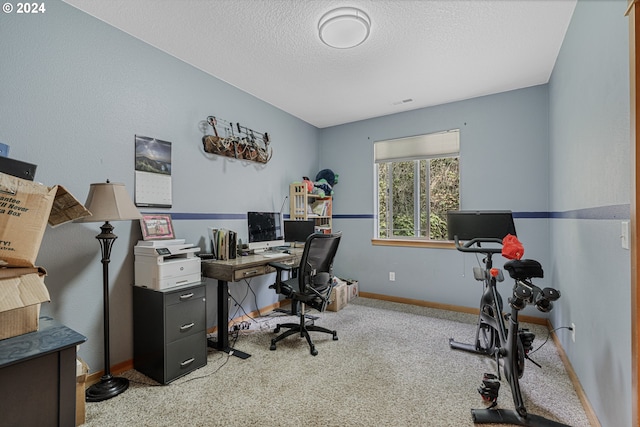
(511, 247)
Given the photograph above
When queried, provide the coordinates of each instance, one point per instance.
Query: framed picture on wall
(156, 227)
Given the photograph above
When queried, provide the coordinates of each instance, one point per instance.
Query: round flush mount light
(344, 27)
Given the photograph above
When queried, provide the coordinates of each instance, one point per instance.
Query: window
(417, 183)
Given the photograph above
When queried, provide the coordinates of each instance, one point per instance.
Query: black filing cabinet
(169, 331)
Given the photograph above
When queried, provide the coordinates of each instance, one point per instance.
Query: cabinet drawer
(185, 319)
(185, 295)
(245, 273)
(185, 355)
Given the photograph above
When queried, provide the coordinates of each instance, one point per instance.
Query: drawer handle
(187, 326)
(187, 362)
(186, 296)
(247, 273)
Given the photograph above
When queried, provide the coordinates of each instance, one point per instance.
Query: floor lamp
(108, 202)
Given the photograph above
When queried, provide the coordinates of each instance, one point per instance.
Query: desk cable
(183, 380)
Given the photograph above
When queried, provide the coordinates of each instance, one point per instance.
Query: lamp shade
(109, 202)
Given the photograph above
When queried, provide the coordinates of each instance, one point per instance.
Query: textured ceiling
(431, 51)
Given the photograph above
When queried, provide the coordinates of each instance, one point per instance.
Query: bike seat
(524, 268)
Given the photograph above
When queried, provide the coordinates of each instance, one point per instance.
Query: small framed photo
(156, 227)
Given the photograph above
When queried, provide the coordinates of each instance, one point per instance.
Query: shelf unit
(305, 205)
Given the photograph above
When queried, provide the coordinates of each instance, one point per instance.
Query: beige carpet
(392, 366)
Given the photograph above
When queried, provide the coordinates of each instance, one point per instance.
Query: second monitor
(298, 231)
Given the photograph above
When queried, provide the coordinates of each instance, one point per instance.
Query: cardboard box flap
(65, 208)
(8, 273)
(22, 291)
(26, 207)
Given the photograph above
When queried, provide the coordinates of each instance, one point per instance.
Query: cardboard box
(25, 209)
(22, 290)
(338, 297)
(82, 370)
(352, 289)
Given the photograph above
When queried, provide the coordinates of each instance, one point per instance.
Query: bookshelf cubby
(305, 205)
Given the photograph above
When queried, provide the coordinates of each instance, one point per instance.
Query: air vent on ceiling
(404, 101)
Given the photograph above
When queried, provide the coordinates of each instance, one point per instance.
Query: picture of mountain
(153, 155)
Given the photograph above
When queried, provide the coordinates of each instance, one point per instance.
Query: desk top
(243, 267)
(50, 337)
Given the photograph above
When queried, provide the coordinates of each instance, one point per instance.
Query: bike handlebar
(467, 247)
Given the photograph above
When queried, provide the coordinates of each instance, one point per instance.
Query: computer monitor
(264, 230)
(298, 231)
(469, 225)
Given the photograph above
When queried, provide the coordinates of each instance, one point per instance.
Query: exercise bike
(498, 334)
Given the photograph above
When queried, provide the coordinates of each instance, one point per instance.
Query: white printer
(162, 264)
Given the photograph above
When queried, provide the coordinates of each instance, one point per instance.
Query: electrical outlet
(573, 332)
(392, 276)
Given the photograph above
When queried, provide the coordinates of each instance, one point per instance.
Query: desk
(235, 270)
(38, 376)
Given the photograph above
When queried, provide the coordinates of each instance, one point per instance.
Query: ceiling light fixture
(344, 27)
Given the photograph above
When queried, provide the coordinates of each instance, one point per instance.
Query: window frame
(416, 148)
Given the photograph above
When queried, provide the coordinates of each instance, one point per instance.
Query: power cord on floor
(549, 336)
(235, 327)
(178, 382)
(226, 359)
(242, 325)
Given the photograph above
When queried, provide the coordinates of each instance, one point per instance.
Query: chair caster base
(273, 346)
(314, 352)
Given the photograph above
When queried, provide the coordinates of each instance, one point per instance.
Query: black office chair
(311, 286)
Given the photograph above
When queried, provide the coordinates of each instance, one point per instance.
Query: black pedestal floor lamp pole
(108, 202)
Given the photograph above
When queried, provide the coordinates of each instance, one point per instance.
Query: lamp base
(107, 388)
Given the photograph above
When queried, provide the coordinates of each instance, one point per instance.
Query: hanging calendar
(153, 172)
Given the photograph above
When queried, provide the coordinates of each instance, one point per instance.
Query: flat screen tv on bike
(469, 225)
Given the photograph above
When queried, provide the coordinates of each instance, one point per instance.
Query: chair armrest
(280, 267)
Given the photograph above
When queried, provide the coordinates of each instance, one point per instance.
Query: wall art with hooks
(236, 141)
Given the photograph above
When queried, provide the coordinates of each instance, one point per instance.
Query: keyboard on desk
(275, 255)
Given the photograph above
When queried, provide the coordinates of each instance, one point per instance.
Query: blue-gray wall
(557, 155)
(74, 92)
(503, 165)
(590, 183)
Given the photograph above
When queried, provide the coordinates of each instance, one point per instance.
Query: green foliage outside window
(438, 185)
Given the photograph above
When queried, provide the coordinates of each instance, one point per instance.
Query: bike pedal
(526, 338)
(487, 395)
(489, 388)
(486, 398)
(489, 377)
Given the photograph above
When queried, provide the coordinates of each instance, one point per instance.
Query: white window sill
(414, 243)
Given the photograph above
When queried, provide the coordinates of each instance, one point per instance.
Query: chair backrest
(316, 264)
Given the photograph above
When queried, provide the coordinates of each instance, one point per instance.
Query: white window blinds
(441, 144)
